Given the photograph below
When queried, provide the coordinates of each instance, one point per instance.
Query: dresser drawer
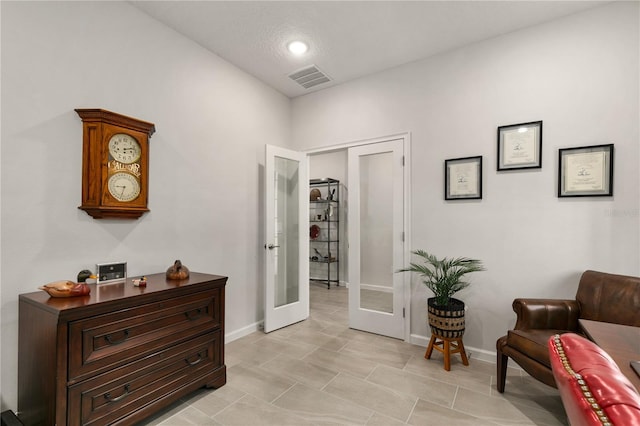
(104, 342)
(112, 396)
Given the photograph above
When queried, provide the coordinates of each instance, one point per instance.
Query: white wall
(580, 76)
(206, 156)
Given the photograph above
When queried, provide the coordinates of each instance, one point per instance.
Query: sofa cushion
(592, 388)
(533, 343)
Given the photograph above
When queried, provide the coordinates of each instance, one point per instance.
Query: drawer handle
(107, 337)
(197, 361)
(191, 316)
(107, 395)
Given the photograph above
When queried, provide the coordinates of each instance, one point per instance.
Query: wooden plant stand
(447, 346)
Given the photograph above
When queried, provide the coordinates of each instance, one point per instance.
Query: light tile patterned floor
(320, 372)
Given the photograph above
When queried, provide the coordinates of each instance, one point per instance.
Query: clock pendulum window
(115, 164)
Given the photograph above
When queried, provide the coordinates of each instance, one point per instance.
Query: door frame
(406, 144)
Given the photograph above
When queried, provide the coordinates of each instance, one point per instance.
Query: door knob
(271, 246)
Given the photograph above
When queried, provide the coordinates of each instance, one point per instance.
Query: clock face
(124, 148)
(124, 187)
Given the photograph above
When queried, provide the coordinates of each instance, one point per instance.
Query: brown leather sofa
(600, 297)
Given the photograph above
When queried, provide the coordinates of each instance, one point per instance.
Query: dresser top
(115, 293)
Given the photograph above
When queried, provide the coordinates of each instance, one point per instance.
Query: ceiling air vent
(309, 77)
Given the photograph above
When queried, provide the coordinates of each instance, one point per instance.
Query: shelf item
(121, 353)
(314, 195)
(314, 232)
(324, 234)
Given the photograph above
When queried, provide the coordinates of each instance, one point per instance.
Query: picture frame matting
(463, 178)
(520, 146)
(585, 171)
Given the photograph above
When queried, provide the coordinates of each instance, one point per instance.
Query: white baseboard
(244, 331)
(373, 287)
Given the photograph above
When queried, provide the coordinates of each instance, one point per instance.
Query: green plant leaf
(443, 276)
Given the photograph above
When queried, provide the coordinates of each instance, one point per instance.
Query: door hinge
(402, 236)
(402, 312)
(403, 160)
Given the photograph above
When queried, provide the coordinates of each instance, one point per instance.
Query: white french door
(376, 248)
(286, 246)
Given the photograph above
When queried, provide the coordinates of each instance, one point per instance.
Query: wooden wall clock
(115, 164)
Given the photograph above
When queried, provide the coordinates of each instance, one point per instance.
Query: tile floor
(320, 372)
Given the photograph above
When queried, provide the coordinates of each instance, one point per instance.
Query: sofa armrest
(553, 314)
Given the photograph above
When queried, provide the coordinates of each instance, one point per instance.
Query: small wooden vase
(178, 271)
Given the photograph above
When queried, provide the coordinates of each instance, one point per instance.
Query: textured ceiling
(347, 39)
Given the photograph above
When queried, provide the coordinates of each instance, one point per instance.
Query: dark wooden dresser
(121, 353)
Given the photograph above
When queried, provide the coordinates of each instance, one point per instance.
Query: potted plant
(444, 277)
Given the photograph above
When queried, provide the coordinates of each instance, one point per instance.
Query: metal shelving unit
(324, 231)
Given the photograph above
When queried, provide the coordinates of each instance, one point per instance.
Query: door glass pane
(376, 229)
(287, 250)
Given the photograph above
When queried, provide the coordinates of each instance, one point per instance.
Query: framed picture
(520, 146)
(586, 171)
(111, 272)
(463, 178)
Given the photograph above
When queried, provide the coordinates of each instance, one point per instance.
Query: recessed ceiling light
(297, 47)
